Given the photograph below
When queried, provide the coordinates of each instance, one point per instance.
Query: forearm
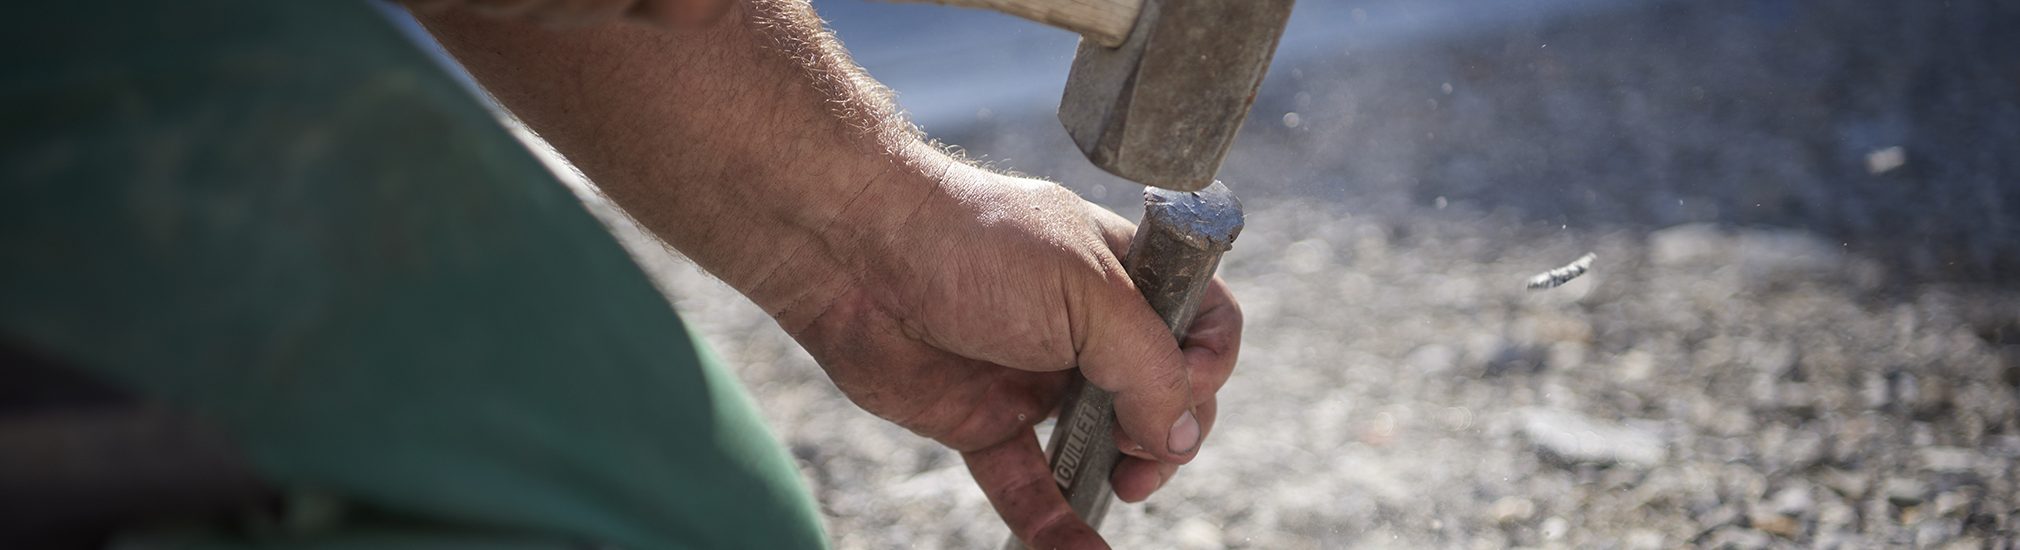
(755, 133)
(939, 296)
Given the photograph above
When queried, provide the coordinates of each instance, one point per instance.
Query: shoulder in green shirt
(285, 218)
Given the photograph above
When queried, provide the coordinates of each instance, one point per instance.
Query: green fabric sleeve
(285, 217)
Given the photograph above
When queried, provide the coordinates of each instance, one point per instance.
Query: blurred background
(1802, 330)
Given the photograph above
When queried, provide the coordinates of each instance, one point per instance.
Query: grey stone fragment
(1851, 485)
(1904, 491)
(1575, 438)
(1198, 533)
(1738, 538)
(1509, 510)
(1792, 501)
(1947, 460)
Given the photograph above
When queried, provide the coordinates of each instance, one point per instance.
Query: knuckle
(1169, 378)
(1057, 194)
(1115, 276)
(1019, 486)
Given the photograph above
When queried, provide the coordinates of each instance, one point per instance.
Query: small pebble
(1644, 539)
(1576, 438)
(1946, 460)
(1793, 501)
(1851, 485)
(1509, 510)
(1197, 533)
(1555, 528)
(1902, 491)
(1776, 524)
(1952, 503)
(1739, 538)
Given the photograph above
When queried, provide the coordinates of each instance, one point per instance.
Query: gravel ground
(1803, 328)
(1399, 388)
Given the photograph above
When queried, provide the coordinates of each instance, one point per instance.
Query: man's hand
(963, 328)
(937, 295)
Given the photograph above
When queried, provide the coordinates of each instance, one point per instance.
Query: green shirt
(284, 217)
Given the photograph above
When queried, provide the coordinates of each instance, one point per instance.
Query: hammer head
(1162, 108)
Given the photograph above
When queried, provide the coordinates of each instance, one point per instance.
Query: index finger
(1213, 342)
(1014, 476)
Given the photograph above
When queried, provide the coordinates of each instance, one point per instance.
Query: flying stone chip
(1557, 277)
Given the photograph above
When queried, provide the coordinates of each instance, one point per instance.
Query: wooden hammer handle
(1104, 21)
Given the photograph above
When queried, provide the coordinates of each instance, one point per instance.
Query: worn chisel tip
(1209, 218)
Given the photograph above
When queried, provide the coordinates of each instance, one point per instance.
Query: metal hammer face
(1162, 108)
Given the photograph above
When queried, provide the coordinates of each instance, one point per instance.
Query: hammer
(1157, 91)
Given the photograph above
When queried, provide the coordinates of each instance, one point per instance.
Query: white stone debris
(1557, 277)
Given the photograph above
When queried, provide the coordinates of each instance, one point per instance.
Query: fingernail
(1184, 434)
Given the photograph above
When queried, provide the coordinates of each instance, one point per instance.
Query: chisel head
(1178, 246)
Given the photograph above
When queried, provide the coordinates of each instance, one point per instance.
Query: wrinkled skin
(942, 297)
(1000, 286)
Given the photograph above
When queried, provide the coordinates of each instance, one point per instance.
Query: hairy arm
(755, 132)
(947, 299)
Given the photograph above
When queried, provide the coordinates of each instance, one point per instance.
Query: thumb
(1131, 353)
